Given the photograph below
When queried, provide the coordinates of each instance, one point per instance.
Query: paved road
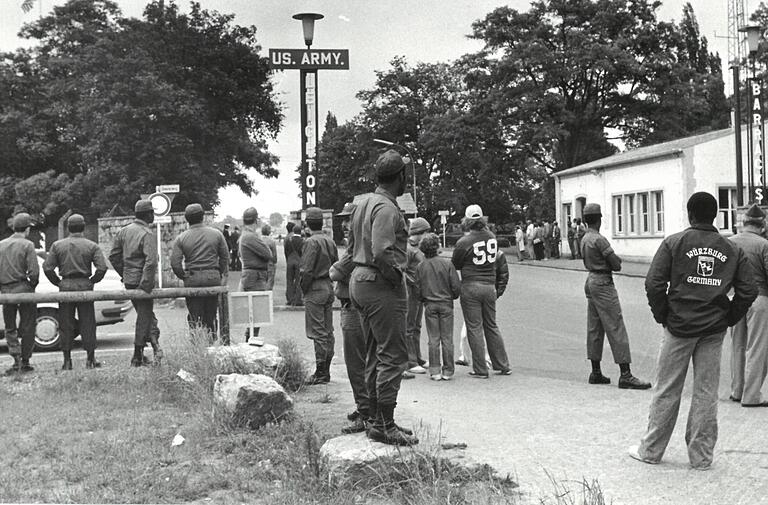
(545, 417)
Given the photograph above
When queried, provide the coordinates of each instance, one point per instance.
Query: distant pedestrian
(484, 276)
(529, 230)
(749, 352)
(354, 344)
(571, 236)
(538, 241)
(134, 258)
(555, 240)
(200, 258)
(604, 316)
(234, 252)
(418, 227)
(520, 243)
(377, 244)
(580, 229)
(437, 285)
(292, 249)
(266, 236)
(688, 286)
(19, 273)
(318, 255)
(74, 257)
(256, 257)
(546, 238)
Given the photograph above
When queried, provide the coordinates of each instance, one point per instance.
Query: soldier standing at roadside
(318, 255)
(73, 257)
(416, 230)
(266, 231)
(378, 241)
(19, 273)
(255, 255)
(603, 307)
(205, 256)
(134, 258)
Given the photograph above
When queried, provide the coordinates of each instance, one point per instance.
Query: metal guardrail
(130, 294)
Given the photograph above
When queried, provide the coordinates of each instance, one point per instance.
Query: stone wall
(109, 226)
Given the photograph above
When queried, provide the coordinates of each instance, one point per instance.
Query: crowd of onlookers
(541, 239)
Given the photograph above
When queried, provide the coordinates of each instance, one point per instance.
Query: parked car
(47, 336)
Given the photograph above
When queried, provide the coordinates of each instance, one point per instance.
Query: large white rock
(248, 358)
(253, 399)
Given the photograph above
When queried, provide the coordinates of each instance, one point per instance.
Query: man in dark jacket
(292, 248)
(687, 288)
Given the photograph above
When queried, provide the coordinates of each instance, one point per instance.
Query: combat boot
(91, 362)
(67, 361)
(138, 356)
(15, 367)
(320, 376)
(385, 430)
(25, 366)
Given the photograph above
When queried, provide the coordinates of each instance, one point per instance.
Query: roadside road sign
(309, 59)
(163, 219)
(442, 213)
(167, 188)
(161, 204)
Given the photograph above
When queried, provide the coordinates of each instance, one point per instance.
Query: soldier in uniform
(603, 307)
(205, 256)
(418, 227)
(292, 248)
(73, 257)
(255, 255)
(354, 339)
(19, 273)
(688, 286)
(266, 232)
(749, 338)
(378, 241)
(134, 257)
(484, 277)
(318, 255)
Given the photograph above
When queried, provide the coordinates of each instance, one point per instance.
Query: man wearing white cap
(484, 277)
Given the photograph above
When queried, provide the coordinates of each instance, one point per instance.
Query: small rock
(186, 376)
(263, 359)
(177, 440)
(252, 399)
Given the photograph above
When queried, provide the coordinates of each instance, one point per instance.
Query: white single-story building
(643, 192)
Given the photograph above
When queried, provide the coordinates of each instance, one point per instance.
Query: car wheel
(47, 334)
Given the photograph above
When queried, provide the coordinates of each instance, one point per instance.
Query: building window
(638, 214)
(726, 203)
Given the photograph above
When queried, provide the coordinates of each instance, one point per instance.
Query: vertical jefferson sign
(757, 154)
(308, 62)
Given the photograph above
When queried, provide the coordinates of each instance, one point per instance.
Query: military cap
(193, 209)
(755, 212)
(75, 220)
(348, 209)
(389, 163)
(250, 214)
(592, 209)
(473, 212)
(143, 206)
(22, 220)
(314, 214)
(418, 226)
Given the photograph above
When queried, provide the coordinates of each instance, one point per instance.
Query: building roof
(671, 148)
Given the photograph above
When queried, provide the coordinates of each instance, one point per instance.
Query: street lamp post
(413, 166)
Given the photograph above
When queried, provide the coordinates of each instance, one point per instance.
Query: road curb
(573, 269)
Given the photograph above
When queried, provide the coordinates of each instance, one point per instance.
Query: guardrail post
(224, 318)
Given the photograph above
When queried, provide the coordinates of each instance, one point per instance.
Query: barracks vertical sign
(308, 62)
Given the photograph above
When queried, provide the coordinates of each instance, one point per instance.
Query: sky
(374, 32)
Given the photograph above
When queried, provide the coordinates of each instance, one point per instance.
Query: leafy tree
(275, 219)
(104, 108)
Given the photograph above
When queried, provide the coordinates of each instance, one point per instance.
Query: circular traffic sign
(161, 204)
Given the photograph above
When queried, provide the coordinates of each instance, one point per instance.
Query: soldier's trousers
(254, 280)
(413, 329)
(478, 305)
(354, 354)
(701, 430)
(383, 309)
(318, 318)
(604, 319)
(86, 316)
(292, 286)
(146, 322)
(21, 338)
(203, 309)
(749, 356)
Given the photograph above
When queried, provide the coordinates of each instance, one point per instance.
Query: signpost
(308, 62)
(161, 205)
